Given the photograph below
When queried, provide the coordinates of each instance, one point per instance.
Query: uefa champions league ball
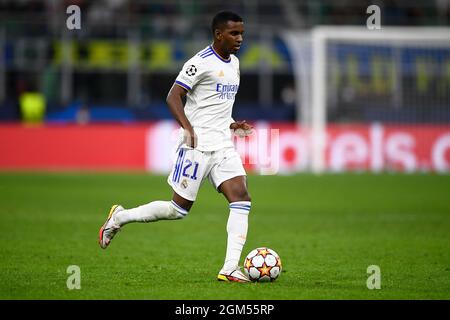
(262, 264)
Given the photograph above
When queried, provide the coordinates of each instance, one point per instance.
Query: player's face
(232, 34)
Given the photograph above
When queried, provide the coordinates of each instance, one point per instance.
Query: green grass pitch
(327, 229)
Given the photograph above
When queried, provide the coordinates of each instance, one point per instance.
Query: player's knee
(242, 195)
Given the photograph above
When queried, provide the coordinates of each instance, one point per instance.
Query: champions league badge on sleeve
(191, 70)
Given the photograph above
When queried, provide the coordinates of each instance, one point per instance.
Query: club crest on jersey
(191, 70)
(184, 184)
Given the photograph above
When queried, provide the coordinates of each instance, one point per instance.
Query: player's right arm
(175, 102)
(191, 74)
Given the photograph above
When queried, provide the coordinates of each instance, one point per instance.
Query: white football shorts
(191, 167)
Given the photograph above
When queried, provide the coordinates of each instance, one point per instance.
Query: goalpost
(348, 74)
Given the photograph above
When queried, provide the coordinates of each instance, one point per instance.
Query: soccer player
(210, 81)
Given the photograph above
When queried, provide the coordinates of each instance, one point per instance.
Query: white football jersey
(212, 84)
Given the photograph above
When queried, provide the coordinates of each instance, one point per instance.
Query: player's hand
(190, 138)
(241, 128)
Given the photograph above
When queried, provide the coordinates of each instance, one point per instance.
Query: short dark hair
(222, 18)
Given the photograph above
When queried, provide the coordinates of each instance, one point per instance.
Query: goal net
(374, 99)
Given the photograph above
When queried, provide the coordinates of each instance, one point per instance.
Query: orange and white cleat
(109, 228)
(235, 275)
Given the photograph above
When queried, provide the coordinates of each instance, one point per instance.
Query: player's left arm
(241, 128)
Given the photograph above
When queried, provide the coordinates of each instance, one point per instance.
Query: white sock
(237, 227)
(153, 211)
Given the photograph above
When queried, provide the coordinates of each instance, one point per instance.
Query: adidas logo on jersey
(221, 74)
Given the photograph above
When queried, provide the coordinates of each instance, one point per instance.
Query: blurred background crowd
(120, 65)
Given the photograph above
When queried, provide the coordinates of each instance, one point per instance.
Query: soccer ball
(262, 264)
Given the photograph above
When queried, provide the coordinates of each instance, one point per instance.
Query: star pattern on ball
(264, 270)
(278, 264)
(248, 264)
(264, 252)
(262, 264)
